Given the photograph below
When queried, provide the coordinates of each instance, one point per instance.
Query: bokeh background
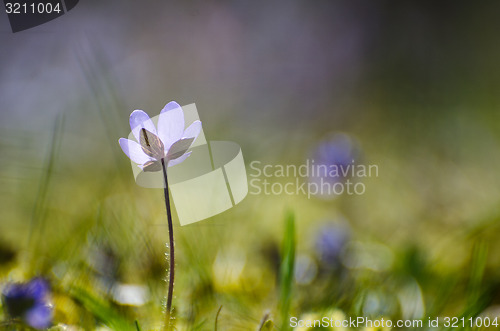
(413, 85)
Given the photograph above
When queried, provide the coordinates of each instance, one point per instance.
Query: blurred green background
(415, 84)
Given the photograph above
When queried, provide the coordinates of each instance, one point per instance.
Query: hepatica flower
(169, 142)
(29, 302)
(339, 151)
(331, 240)
(334, 162)
(155, 149)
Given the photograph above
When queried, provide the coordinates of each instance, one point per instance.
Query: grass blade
(102, 310)
(287, 269)
(217, 317)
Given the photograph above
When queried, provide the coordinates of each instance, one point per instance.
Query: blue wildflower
(333, 162)
(330, 242)
(29, 302)
(339, 150)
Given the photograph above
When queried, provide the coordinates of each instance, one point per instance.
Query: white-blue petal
(170, 124)
(138, 120)
(193, 130)
(133, 151)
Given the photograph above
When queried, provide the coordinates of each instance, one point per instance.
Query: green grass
(420, 244)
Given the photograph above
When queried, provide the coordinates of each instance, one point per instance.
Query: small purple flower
(339, 151)
(168, 142)
(29, 302)
(333, 165)
(330, 242)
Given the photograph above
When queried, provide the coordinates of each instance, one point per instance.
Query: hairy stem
(168, 310)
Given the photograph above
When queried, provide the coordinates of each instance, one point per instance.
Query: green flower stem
(168, 310)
